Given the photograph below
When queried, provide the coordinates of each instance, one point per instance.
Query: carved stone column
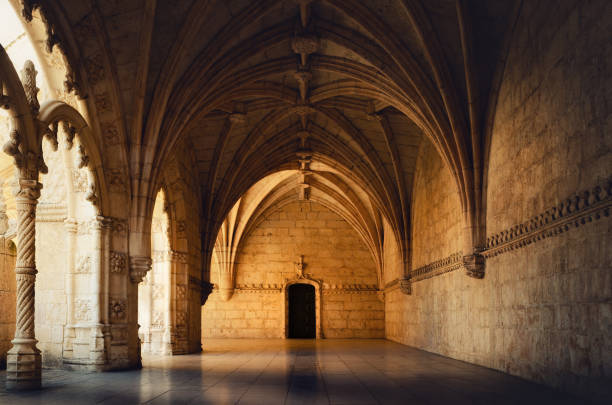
(24, 360)
(139, 267)
(97, 352)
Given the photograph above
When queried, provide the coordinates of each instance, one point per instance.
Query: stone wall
(543, 311)
(7, 297)
(333, 253)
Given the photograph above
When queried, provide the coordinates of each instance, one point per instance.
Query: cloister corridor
(306, 201)
(275, 371)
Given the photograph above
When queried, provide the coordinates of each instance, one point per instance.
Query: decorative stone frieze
(118, 262)
(445, 265)
(583, 208)
(580, 209)
(139, 267)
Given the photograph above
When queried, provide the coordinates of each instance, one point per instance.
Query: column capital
(139, 267)
(29, 189)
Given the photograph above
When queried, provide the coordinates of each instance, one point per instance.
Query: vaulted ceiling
(345, 89)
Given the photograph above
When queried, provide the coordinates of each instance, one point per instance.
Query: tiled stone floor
(291, 372)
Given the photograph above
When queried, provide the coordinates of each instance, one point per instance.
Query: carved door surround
(302, 278)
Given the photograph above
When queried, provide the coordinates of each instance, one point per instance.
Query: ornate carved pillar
(24, 360)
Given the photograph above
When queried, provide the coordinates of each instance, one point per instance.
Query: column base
(23, 366)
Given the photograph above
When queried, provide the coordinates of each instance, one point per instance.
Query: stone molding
(445, 265)
(582, 208)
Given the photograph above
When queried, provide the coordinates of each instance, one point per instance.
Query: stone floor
(291, 372)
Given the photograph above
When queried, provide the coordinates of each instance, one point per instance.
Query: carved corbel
(405, 285)
(139, 267)
(474, 265)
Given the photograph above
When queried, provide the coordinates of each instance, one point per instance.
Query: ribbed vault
(356, 83)
(316, 182)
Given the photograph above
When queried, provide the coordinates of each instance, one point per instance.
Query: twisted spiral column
(23, 360)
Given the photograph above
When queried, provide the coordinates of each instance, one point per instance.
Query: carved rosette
(139, 267)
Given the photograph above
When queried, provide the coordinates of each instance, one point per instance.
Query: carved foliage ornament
(28, 7)
(118, 262)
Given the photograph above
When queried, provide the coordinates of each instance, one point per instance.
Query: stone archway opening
(154, 291)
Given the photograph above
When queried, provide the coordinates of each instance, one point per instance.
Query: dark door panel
(302, 316)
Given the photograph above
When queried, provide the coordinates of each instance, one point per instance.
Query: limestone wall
(333, 253)
(7, 297)
(543, 311)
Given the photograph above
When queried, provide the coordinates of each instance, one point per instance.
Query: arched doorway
(302, 313)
